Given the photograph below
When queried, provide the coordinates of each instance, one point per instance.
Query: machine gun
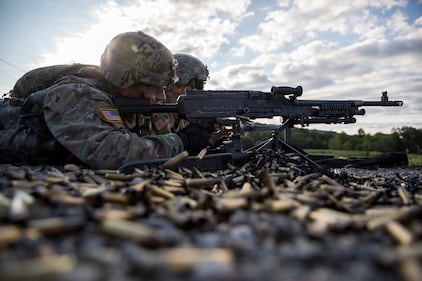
(233, 107)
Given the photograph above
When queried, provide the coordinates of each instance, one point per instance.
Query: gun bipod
(275, 143)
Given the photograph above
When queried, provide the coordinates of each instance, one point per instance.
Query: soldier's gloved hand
(194, 138)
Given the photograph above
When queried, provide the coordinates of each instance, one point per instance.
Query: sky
(349, 50)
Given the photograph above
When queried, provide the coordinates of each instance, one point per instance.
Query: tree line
(407, 139)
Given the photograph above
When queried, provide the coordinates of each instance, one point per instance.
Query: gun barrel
(133, 105)
(381, 103)
(347, 103)
(384, 101)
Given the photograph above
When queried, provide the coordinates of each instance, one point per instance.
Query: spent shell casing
(182, 259)
(119, 177)
(128, 230)
(140, 186)
(268, 181)
(114, 197)
(175, 160)
(48, 267)
(410, 269)
(202, 183)
(399, 232)
(9, 234)
(170, 174)
(20, 205)
(174, 182)
(331, 217)
(202, 154)
(230, 204)
(93, 192)
(404, 194)
(57, 225)
(161, 192)
(281, 205)
(103, 172)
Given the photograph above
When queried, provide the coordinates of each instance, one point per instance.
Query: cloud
(199, 28)
(241, 76)
(238, 52)
(195, 27)
(291, 24)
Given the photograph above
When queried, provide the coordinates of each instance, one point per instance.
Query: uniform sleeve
(72, 114)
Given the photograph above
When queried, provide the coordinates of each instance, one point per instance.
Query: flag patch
(161, 122)
(111, 115)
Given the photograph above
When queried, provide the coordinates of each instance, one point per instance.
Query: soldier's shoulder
(77, 94)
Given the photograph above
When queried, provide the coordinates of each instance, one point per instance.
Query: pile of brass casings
(275, 218)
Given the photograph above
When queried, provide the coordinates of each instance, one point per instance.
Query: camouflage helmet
(135, 57)
(190, 68)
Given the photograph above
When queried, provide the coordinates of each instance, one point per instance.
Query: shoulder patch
(161, 122)
(111, 115)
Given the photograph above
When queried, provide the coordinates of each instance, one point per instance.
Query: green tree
(398, 140)
(384, 143)
(410, 138)
(337, 142)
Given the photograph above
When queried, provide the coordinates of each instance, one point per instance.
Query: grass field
(415, 160)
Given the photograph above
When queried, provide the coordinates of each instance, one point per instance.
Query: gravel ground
(390, 173)
(275, 221)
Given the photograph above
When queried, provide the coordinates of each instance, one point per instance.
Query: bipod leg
(260, 146)
(289, 147)
(276, 143)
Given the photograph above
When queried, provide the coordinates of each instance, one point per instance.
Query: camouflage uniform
(76, 116)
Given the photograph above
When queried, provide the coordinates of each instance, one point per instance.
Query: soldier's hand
(221, 134)
(194, 138)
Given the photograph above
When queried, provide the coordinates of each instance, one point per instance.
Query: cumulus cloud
(199, 28)
(238, 52)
